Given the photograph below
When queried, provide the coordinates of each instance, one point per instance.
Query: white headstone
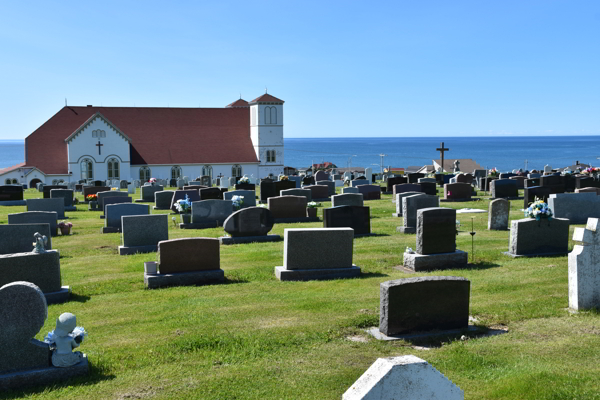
(131, 188)
(405, 377)
(584, 267)
(547, 168)
(369, 174)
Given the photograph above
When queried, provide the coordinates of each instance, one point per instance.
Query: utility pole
(381, 162)
(526, 165)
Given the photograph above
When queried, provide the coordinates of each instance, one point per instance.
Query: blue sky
(344, 68)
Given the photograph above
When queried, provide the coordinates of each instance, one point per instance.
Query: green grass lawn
(257, 338)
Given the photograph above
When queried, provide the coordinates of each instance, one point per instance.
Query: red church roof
(9, 169)
(239, 103)
(266, 98)
(169, 136)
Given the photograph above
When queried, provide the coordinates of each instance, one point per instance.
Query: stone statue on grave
(64, 339)
(40, 243)
(440, 170)
(456, 166)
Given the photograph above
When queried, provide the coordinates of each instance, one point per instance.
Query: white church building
(129, 143)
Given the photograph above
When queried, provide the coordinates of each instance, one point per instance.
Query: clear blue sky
(399, 68)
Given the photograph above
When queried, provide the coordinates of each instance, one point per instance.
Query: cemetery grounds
(258, 338)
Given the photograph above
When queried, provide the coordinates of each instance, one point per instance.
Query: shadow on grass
(97, 374)
(80, 298)
(370, 235)
(229, 281)
(366, 275)
(438, 339)
(482, 265)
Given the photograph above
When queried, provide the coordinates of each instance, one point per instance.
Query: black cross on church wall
(99, 148)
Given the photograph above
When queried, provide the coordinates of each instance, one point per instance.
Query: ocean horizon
(502, 152)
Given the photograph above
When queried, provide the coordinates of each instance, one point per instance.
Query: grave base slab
(294, 220)
(284, 274)
(110, 229)
(408, 229)
(160, 208)
(508, 253)
(458, 200)
(43, 376)
(13, 203)
(432, 262)
(199, 225)
(249, 239)
(125, 251)
(396, 215)
(58, 297)
(71, 208)
(143, 201)
(154, 281)
(420, 335)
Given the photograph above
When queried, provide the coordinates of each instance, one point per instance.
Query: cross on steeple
(99, 147)
(442, 149)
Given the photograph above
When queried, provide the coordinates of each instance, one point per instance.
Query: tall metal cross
(99, 147)
(442, 149)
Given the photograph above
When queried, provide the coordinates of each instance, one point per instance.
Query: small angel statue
(40, 242)
(64, 339)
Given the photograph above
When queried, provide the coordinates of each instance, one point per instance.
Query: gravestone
(249, 197)
(321, 176)
(297, 180)
(147, 193)
(464, 178)
(355, 217)
(131, 188)
(436, 228)
(531, 193)
(18, 238)
(576, 207)
(317, 253)
(87, 190)
(584, 268)
(245, 186)
(414, 177)
(41, 269)
(212, 193)
(359, 182)
(247, 225)
(547, 169)
(308, 180)
(423, 304)
(369, 174)
(318, 192)
(484, 183)
(384, 380)
(114, 212)
(397, 180)
(36, 217)
(205, 180)
(288, 209)
(123, 184)
(209, 213)
(428, 187)
(330, 185)
(107, 194)
(588, 190)
(196, 183)
(232, 181)
(520, 181)
(48, 188)
(584, 181)
(457, 192)
(114, 200)
(11, 194)
(531, 238)
(533, 176)
(427, 180)
(410, 206)
(504, 188)
(404, 188)
(370, 192)
(350, 190)
(347, 199)
(163, 200)
(193, 195)
(269, 188)
(188, 261)
(173, 182)
(297, 192)
(56, 205)
(399, 198)
(498, 212)
(141, 233)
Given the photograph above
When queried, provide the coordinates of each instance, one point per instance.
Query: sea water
(503, 153)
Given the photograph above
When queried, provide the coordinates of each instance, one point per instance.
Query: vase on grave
(93, 205)
(311, 212)
(186, 218)
(65, 230)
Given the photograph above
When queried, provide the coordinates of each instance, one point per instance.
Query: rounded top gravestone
(23, 313)
(251, 221)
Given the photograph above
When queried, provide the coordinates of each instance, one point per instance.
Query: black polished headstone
(251, 221)
(11, 193)
(436, 230)
(355, 217)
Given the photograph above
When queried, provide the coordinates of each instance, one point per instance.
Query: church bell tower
(266, 132)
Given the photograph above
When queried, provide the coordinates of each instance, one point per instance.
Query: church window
(86, 169)
(270, 155)
(144, 174)
(207, 171)
(98, 133)
(113, 169)
(253, 115)
(236, 171)
(175, 172)
(270, 115)
(7, 181)
(14, 181)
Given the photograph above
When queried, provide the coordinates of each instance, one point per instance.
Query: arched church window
(236, 171)
(270, 115)
(267, 115)
(7, 181)
(113, 169)
(175, 172)
(14, 181)
(273, 115)
(87, 169)
(207, 170)
(144, 174)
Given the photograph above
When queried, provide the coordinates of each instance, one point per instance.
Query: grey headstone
(66, 194)
(318, 248)
(297, 192)
(36, 217)
(41, 269)
(399, 198)
(18, 238)
(584, 268)
(576, 207)
(109, 193)
(147, 192)
(57, 205)
(436, 230)
(249, 197)
(211, 210)
(498, 214)
(529, 237)
(347, 199)
(423, 304)
(144, 230)
(162, 200)
(115, 200)
(114, 212)
(410, 206)
(349, 190)
(329, 184)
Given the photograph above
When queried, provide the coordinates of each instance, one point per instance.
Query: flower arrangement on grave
(65, 227)
(284, 178)
(184, 206)
(114, 189)
(244, 180)
(313, 204)
(566, 172)
(63, 339)
(493, 172)
(409, 251)
(152, 180)
(237, 202)
(91, 197)
(539, 210)
(592, 171)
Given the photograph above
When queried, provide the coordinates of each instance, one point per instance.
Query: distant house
(395, 171)
(290, 171)
(465, 165)
(427, 169)
(575, 166)
(323, 166)
(411, 169)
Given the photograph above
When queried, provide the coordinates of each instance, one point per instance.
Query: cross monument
(442, 149)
